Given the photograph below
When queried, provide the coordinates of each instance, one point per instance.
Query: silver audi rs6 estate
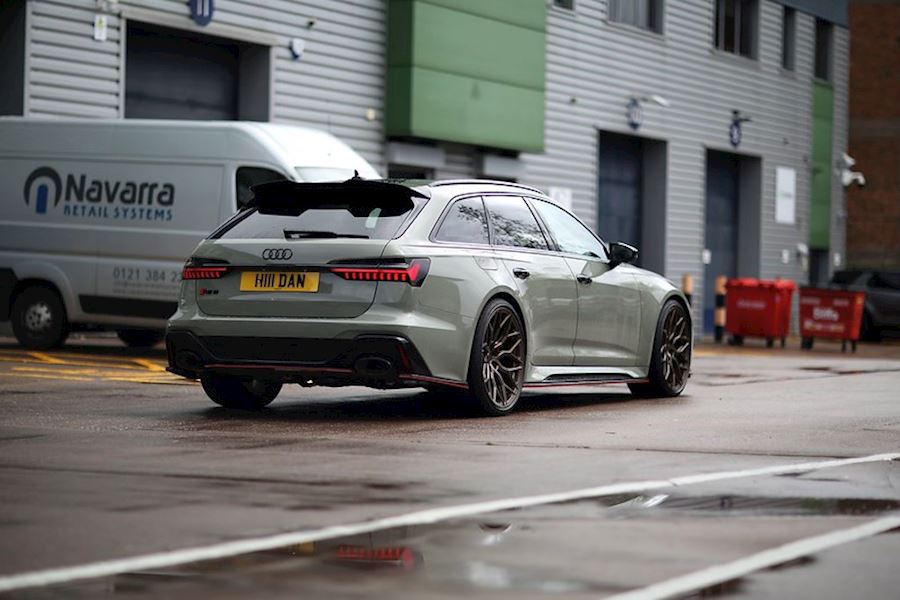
(483, 287)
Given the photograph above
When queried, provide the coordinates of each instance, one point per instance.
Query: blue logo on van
(47, 182)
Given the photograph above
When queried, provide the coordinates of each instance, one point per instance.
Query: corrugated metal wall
(594, 66)
(339, 78)
(67, 72)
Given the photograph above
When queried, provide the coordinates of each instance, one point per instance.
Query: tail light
(412, 272)
(198, 268)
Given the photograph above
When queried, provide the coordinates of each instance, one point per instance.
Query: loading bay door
(619, 188)
(722, 171)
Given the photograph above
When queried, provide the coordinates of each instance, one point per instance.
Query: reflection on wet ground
(536, 552)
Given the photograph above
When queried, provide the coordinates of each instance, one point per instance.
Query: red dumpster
(758, 308)
(832, 314)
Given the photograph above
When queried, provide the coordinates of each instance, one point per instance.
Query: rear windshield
(316, 223)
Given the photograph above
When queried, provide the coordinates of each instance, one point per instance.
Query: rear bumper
(374, 360)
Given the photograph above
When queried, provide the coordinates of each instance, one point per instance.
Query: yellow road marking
(149, 364)
(43, 357)
(51, 370)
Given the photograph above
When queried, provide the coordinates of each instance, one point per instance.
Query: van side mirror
(620, 252)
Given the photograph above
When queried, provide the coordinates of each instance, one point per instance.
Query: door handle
(521, 273)
(584, 279)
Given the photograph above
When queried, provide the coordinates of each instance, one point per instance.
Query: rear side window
(247, 177)
(374, 223)
(513, 224)
(465, 223)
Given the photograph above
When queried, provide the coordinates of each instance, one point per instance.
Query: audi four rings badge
(277, 253)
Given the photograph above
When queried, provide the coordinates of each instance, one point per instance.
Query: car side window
(247, 177)
(513, 224)
(465, 223)
(570, 234)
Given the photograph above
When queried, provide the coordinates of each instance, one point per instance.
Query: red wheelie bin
(758, 308)
(831, 314)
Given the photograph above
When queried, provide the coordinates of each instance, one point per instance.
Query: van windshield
(319, 174)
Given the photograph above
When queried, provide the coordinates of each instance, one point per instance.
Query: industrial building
(706, 132)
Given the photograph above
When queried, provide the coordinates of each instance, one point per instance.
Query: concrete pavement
(105, 456)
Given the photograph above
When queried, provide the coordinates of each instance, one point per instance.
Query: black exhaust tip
(375, 367)
(188, 360)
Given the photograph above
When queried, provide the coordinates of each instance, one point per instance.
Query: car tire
(497, 359)
(239, 393)
(868, 331)
(670, 360)
(140, 338)
(39, 318)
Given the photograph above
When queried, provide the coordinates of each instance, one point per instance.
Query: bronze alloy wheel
(501, 358)
(675, 349)
(670, 364)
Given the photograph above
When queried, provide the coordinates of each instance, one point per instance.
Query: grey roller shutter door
(721, 225)
(171, 76)
(619, 188)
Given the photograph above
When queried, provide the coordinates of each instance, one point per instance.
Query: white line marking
(433, 515)
(716, 574)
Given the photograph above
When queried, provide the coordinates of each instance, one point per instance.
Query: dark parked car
(882, 312)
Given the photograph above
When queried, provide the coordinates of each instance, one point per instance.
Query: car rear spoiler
(358, 196)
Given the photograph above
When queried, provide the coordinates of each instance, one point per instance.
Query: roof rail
(483, 181)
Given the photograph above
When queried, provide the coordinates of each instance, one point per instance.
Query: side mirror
(620, 252)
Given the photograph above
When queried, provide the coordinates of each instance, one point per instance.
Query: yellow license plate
(279, 281)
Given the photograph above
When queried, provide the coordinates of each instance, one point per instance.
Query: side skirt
(542, 377)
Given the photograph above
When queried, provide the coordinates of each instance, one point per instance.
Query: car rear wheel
(140, 338)
(39, 318)
(497, 361)
(240, 393)
(670, 362)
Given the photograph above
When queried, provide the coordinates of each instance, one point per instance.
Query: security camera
(655, 98)
(297, 46)
(849, 177)
(847, 160)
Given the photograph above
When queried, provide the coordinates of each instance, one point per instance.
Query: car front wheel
(497, 361)
(670, 362)
(240, 393)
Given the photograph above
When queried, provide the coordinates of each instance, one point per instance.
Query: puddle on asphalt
(544, 550)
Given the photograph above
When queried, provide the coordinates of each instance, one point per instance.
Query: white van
(98, 216)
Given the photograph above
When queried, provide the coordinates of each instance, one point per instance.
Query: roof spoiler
(358, 196)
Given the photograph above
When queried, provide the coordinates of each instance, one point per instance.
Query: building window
(788, 35)
(823, 50)
(567, 4)
(736, 26)
(646, 14)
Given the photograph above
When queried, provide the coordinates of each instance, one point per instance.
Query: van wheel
(240, 393)
(140, 338)
(39, 318)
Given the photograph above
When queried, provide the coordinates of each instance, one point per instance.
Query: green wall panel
(447, 106)
(820, 201)
(467, 71)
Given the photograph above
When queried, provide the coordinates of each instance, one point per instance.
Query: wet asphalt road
(104, 455)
